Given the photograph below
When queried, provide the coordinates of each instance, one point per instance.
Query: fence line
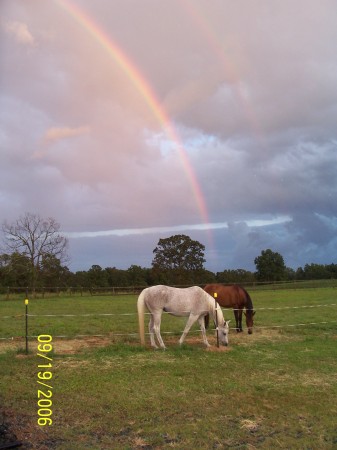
(250, 284)
(63, 336)
(26, 315)
(165, 312)
(134, 314)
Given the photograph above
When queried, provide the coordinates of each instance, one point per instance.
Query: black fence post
(26, 317)
(216, 319)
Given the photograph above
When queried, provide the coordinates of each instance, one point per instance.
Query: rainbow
(142, 86)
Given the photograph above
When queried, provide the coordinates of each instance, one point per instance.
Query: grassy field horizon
(276, 388)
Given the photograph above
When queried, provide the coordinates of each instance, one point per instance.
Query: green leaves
(179, 252)
(270, 266)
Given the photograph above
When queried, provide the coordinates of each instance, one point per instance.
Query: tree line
(35, 256)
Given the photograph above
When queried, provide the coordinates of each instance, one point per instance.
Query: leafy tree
(52, 273)
(80, 279)
(235, 276)
(14, 270)
(270, 266)
(178, 260)
(117, 277)
(179, 252)
(290, 274)
(137, 275)
(316, 272)
(97, 277)
(332, 268)
(300, 275)
(205, 277)
(34, 237)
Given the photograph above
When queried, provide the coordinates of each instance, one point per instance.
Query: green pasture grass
(297, 284)
(275, 388)
(81, 315)
(87, 310)
(260, 394)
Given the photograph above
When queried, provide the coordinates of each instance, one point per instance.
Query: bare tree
(35, 238)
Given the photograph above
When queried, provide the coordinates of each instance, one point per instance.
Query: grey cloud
(250, 90)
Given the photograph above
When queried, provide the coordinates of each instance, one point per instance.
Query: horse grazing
(192, 302)
(235, 297)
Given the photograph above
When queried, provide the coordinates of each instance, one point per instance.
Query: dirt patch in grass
(11, 344)
(61, 346)
(19, 428)
(74, 346)
(218, 349)
(314, 380)
(260, 335)
(250, 425)
(7, 438)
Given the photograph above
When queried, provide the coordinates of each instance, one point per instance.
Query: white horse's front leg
(201, 321)
(191, 320)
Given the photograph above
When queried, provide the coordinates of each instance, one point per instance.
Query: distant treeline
(37, 254)
(17, 274)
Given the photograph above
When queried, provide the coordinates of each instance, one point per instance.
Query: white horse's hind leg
(201, 321)
(151, 330)
(191, 320)
(156, 328)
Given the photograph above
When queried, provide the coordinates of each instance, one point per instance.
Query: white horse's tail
(141, 314)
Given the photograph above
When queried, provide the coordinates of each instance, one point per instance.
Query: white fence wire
(134, 314)
(113, 334)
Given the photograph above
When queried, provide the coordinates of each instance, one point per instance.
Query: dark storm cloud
(250, 88)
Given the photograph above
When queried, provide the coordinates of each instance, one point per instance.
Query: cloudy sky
(133, 120)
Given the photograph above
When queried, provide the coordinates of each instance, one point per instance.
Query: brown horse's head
(249, 320)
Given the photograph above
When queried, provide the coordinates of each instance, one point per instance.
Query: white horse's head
(222, 325)
(223, 333)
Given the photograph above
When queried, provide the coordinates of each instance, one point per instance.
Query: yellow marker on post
(26, 301)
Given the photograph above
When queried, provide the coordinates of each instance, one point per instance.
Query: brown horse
(235, 297)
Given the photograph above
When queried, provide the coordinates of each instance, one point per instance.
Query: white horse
(193, 302)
